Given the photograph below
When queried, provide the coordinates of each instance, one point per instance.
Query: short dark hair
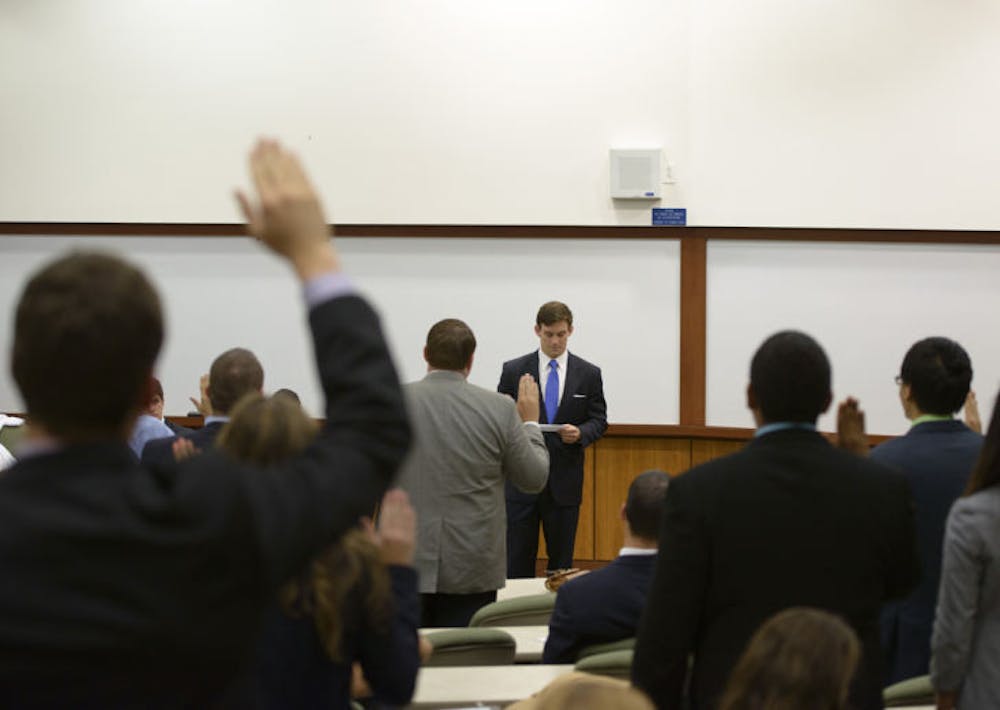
(939, 373)
(553, 312)
(87, 331)
(234, 373)
(644, 503)
(450, 345)
(790, 378)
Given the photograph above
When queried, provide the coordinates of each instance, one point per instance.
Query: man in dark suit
(788, 521)
(234, 373)
(572, 395)
(128, 588)
(936, 457)
(605, 605)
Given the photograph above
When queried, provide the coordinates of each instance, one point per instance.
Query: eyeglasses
(898, 379)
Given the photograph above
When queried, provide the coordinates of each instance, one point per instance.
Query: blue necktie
(552, 392)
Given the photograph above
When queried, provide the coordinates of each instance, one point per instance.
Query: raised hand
(527, 399)
(971, 413)
(851, 427)
(397, 528)
(287, 215)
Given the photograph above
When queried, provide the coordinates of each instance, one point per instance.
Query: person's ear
(827, 402)
(751, 398)
(538, 330)
(569, 331)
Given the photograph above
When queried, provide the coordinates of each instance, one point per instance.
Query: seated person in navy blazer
(233, 375)
(605, 605)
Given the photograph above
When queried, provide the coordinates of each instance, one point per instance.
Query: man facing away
(936, 457)
(123, 588)
(234, 374)
(468, 442)
(788, 521)
(572, 394)
(605, 605)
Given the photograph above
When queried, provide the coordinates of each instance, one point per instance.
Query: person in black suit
(234, 374)
(936, 456)
(605, 605)
(788, 521)
(572, 394)
(125, 587)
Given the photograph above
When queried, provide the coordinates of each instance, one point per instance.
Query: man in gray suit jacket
(468, 442)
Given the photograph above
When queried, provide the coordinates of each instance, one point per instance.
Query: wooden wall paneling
(703, 450)
(618, 461)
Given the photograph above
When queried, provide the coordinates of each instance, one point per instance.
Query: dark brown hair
(986, 472)
(267, 431)
(553, 312)
(799, 659)
(87, 331)
(235, 373)
(450, 345)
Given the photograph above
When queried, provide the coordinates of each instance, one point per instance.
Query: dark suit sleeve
(596, 423)
(670, 623)
(390, 657)
(158, 453)
(303, 505)
(900, 553)
(560, 646)
(508, 380)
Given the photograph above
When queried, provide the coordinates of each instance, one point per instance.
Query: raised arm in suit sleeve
(525, 456)
(958, 599)
(596, 424)
(669, 626)
(341, 476)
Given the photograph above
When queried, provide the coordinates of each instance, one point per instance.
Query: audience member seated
(290, 394)
(605, 605)
(787, 521)
(150, 424)
(799, 659)
(235, 373)
(936, 457)
(965, 646)
(582, 691)
(356, 601)
(123, 588)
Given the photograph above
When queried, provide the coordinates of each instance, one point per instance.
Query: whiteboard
(220, 293)
(865, 304)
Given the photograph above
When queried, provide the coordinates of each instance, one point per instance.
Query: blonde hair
(266, 431)
(799, 659)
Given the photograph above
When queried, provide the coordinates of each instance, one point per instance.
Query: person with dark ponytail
(965, 646)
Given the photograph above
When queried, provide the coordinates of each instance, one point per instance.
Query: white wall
(773, 113)
(865, 303)
(223, 292)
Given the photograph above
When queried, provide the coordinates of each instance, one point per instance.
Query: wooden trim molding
(693, 319)
(516, 231)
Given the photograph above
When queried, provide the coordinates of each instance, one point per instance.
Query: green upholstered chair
(623, 645)
(912, 691)
(10, 437)
(530, 610)
(471, 647)
(615, 664)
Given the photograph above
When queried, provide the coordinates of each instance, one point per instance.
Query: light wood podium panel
(703, 450)
(618, 461)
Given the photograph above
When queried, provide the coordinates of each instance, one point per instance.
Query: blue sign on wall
(669, 217)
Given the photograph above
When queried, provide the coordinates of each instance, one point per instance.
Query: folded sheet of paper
(551, 427)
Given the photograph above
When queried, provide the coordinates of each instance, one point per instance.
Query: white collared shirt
(543, 373)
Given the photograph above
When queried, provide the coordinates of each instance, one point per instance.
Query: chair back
(471, 647)
(912, 691)
(615, 664)
(529, 610)
(623, 645)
